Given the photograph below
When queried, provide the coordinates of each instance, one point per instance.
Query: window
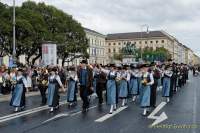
(114, 50)
(140, 42)
(145, 42)
(119, 43)
(156, 41)
(113, 43)
(163, 41)
(109, 44)
(151, 41)
(109, 51)
(135, 42)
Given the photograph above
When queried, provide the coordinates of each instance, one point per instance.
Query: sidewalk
(4, 98)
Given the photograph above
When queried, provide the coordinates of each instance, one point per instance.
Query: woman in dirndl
(147, 81)
(133, 84)
(111, 87)
(72, 86)
(166, 83)
(123, 86)
(54, 83)
(18, 94)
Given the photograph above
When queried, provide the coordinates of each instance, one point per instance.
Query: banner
(49, 54)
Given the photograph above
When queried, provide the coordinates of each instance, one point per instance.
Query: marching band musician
(123, 86)
(147, 81)
(54, 83)
(85, 77)
(111, 87)
(133, 84)
(166, 83)
(18, 94)
(72, 80)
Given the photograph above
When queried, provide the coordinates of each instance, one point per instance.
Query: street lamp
(14, 37)
(147, 31)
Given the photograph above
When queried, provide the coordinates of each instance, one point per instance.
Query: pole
(14, 37)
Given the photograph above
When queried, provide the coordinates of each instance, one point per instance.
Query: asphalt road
(182, 112)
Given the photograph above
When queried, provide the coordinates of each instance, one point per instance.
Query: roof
(95, 32)
(134, 35)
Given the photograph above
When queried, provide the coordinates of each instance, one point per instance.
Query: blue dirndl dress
(111, 90)
(166, 86)
(146, 95)
(72, 90)
(53, 96)
(18, 94)
(123, 89)
(133, 85)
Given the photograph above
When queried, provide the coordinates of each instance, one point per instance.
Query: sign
(49, 54)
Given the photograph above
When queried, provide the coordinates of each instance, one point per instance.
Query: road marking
(27, 112)
(55, 117)
(158, 119)
(107, 116)
(67, 114)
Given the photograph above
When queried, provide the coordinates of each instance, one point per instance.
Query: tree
(37, 23)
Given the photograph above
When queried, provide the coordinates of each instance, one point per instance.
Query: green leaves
(36, 23)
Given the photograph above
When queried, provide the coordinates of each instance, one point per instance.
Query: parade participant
(54, 83)
(156, 75)
(1, 80)
(166, 83)
(133, 84)
(85, 77)
(100, 84)
(28, 78)
(43, 85)
(147, 81)
(6, 82)
(72, 80)
(18, 94)
(140, 73)
(111, 88)
(123, 87)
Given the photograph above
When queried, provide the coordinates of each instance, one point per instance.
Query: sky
(180, 18)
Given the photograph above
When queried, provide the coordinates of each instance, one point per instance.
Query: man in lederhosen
(85, 77)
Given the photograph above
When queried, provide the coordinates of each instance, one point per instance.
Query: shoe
(16, 109)
(110, 112)
(51, 110)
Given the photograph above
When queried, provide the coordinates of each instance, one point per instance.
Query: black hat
(54, 69)
(133, 66)
(169, 59)
(125, 66)
(20, 70)
(112, 65)
(145, 65)
(72, 68)
(84, 62)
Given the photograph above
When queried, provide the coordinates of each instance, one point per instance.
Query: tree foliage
(37, 23)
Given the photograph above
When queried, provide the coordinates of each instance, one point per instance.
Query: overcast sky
(180, 18)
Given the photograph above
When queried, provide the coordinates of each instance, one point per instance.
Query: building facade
(154, 39)
(97, 47)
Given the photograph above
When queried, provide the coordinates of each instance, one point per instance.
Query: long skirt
(133, 87)
(18, 96)
(146, 96)
(29, 82)
(71, 93)
(166, 87)
(123, 89)
(53, 96)
(111, 92)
